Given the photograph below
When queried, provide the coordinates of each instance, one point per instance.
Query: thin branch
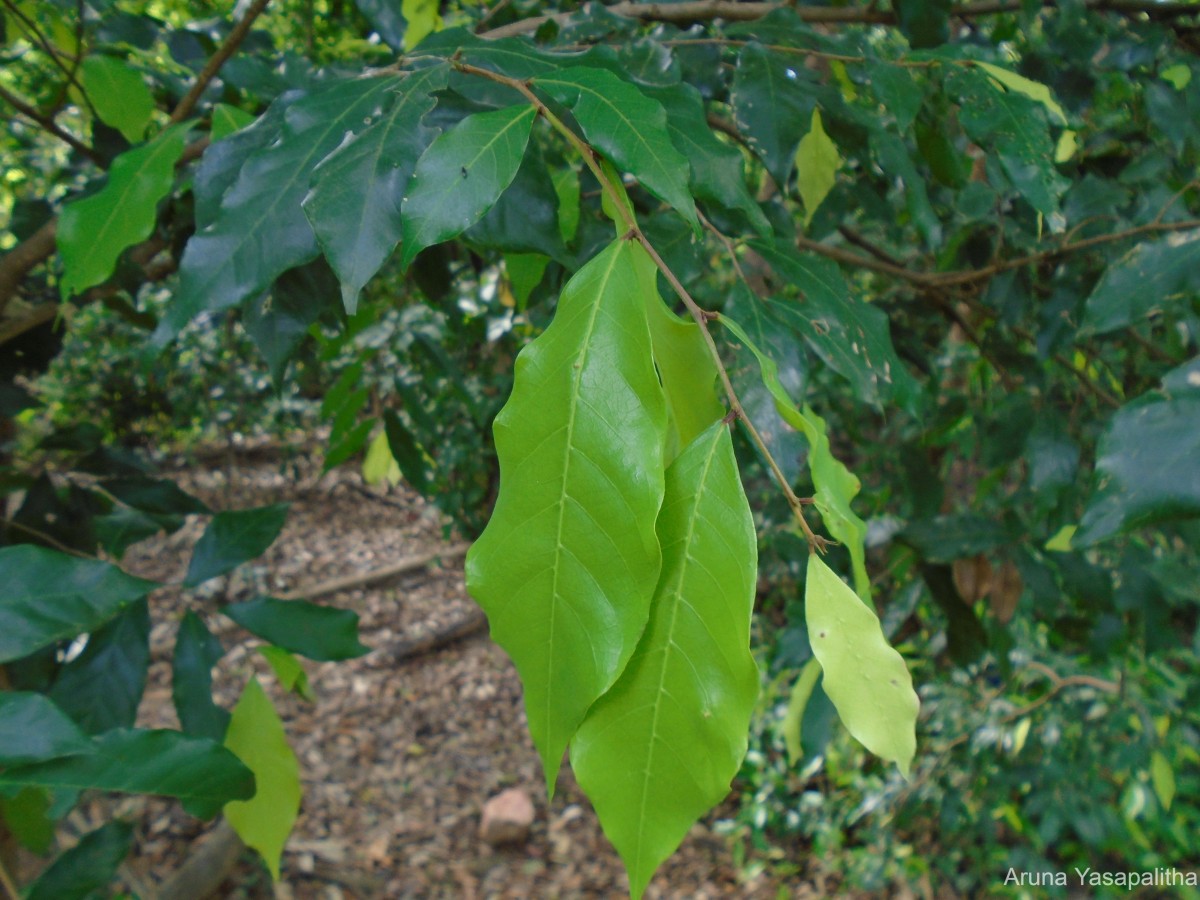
(861, 242)
(47, 123)
(48, 49)
(218, 59)
(47, 538)
(39, 315)
(10, 887)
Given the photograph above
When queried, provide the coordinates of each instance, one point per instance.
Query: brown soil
(396, 759)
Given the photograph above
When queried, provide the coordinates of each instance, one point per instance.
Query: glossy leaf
(359, 228)
(817, 163)
(256, 735)
(201, 773)
(864, 677)
(1155, 276)
(34, 729)
(773, 98)
(524, 218)
(196, 652)
(567, 565)
(461, 175)
(629, 128)
(49, 596)
(232, 538)
(102, 687)
(118, 94)
(1146, 468)
(260, 230)
(312, 630)
(660, 748)
(88, 867)
(95, 231)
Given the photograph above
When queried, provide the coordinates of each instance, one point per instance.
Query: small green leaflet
(660, 749)
(461, 175)
(94, 231)
(865, 678)
(226, 120)
(379, 466)
(119, 95)
(422, 19)
(817, 163)
(256, 735)
(793, 719)
(627, 126)
(1163, 778)
(566, 567)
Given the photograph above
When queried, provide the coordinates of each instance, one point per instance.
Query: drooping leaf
(405, 450)
(118, 94)
(1162, 776)
(461, 175)
(102, 687)
(566, 186)
(312, 630)
(95, 231)
(379, 466)
(817, 163)
(196, 652)
(33, 729)
(1155, 276)
(629, 128)
(865, 678)
(49, 596)
(260, 230)
(291, 674)
(256, 735)
(524, 272)
(567, 565)
(1146, 469)
(660, 748)
(359, 228)
(88, 867)
(232, 538)
(201, 773)
(850, 336)
(793, 719)
(773, 98)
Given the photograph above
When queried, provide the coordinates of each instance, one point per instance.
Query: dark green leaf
(49, 596)
(101, 688)
(278, 321)
(157, 496)
(926, 23)
(525, 218)
(773, 98)
(1153, 277)
(892, 156)
(26, 814)
(120, 529)
(201, 773)
(196, 652)
(951, 537)
(1184, 379)
(33, 729)
(87, 867)
(223, 160)
(385, 18)
(461, 175)
(318, 632)
(897, 91)
(232, 538)
(406, 451)
(359, 228)
(627, 126)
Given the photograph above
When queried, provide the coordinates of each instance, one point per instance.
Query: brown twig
(10, 887)
(48, 49)
(46, 538)
(47, 123)
(185, 106)
(394, 570)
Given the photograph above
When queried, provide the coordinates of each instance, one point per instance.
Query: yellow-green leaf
(422, 18)
(257, 737)
(379, 466)
(817, 163)
(1034, 90)
(866, 679)
(797, 703)
(1163, 779)
(119, 95)
(1178, 76)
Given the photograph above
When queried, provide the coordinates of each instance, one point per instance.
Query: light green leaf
(1066, 146)
(461, 174)
(256, 735)
(358, 229)
(568, 563)
(227, 119)
(94, 231)
(627, 126)
(290, 672)
(566, 186)
(524, 271)
(661, 747)
(379, 466)
(1061, 541)
(865, 678)
(1154, 276)
(1034, 90)
(422, 19)
(1178, 76)
(817, 163)
(119, 95)
(793, 738)
(1163, 778)
(49, 596)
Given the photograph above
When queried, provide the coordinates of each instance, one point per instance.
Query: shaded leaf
(1153, 277)
(26, 814)
(49, 596)
(312, 630)
(629, 128)
(34, 729)
(95, 231)
(660, 748)
(279, 320)
(119, 95)
(864, 677)
(157, 496)
(406, 451)
(196, 652)
(773, 99)
(926, 23)
(102, 687)
(567, 565)
(232, 538)
(201, 773)
(256, 735)
(461, 175)
(89, 866)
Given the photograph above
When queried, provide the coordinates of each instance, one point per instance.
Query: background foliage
(967, 239)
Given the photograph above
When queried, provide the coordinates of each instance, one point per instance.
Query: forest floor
(397, 758)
